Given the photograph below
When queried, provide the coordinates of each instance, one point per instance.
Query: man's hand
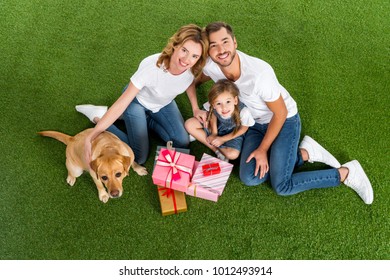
(261, 162)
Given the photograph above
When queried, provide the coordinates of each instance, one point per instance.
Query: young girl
(227, 121)
(147, 102)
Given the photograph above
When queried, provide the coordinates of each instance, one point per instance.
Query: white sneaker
(358, 181)
(92, 111)
(317, 153)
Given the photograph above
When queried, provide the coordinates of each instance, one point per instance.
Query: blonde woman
(147, 102)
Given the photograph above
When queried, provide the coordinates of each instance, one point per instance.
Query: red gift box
(211, 169)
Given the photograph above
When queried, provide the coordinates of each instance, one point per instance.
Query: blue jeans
(168, 123)
(284, 156)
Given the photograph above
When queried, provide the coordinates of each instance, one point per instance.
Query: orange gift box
(171, 201)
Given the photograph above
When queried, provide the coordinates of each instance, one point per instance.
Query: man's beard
(233, 55)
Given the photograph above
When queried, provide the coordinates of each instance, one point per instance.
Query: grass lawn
(332, 56)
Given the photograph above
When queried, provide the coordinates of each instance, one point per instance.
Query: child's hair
(219, 87)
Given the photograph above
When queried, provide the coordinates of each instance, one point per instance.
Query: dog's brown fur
(110, 161)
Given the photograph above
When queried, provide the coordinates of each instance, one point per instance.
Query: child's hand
(215, 140)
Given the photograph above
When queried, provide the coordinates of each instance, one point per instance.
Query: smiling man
(270, 148)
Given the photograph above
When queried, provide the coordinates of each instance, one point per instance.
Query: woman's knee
(141, 156)
(181, 141)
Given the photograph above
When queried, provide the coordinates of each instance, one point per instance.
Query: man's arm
(279, 111)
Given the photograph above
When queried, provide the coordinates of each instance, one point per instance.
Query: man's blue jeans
(284, 156)
(168, 123)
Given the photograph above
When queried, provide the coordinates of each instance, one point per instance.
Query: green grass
(332, 56)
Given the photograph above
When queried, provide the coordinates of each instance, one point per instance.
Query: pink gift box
(209, 187)
(173, 170)
(200, 192)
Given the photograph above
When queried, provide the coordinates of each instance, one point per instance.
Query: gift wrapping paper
(173, 169)
(171, 201)
(211, 186)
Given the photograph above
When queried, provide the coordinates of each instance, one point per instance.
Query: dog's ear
(95, 166)
(127, 162)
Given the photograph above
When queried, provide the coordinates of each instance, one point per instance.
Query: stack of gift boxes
(177, 174)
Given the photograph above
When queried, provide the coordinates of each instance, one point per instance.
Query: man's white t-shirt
(257, 84)
(157, 86)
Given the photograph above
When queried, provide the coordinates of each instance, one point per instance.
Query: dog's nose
(114, 193)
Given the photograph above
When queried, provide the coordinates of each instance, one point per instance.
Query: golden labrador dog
(110, 161)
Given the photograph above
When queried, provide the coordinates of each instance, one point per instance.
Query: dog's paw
(142, 171)
(71, 180)
(103, 196)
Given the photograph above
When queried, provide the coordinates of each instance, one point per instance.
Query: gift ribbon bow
(167, 193)
(171, 162)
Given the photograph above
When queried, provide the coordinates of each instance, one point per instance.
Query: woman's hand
(201, 116)
(261, 162)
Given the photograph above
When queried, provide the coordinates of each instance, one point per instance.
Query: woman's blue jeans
(284, 156)
(168, 123)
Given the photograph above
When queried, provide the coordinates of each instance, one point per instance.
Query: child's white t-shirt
(157, 86)
(257, 84)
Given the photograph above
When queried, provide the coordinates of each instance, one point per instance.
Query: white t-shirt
(257, 84)
(245, 115)
(157, 86)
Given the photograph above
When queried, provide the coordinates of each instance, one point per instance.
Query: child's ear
(235, 100)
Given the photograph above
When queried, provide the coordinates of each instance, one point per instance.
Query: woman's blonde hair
(185, 33)
(218, 88)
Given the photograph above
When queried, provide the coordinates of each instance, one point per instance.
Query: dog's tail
(64, 138)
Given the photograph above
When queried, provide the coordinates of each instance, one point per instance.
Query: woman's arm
(110, 117)
(279, 111)
(199, 114)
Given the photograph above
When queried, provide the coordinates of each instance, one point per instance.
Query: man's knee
(249, 179)
(281, 188)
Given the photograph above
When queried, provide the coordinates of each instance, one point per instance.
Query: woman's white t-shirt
(257, 84)
(157, 86)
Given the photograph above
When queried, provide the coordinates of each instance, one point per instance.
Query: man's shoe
(317, 153)
(92, 111)
(358, 181)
